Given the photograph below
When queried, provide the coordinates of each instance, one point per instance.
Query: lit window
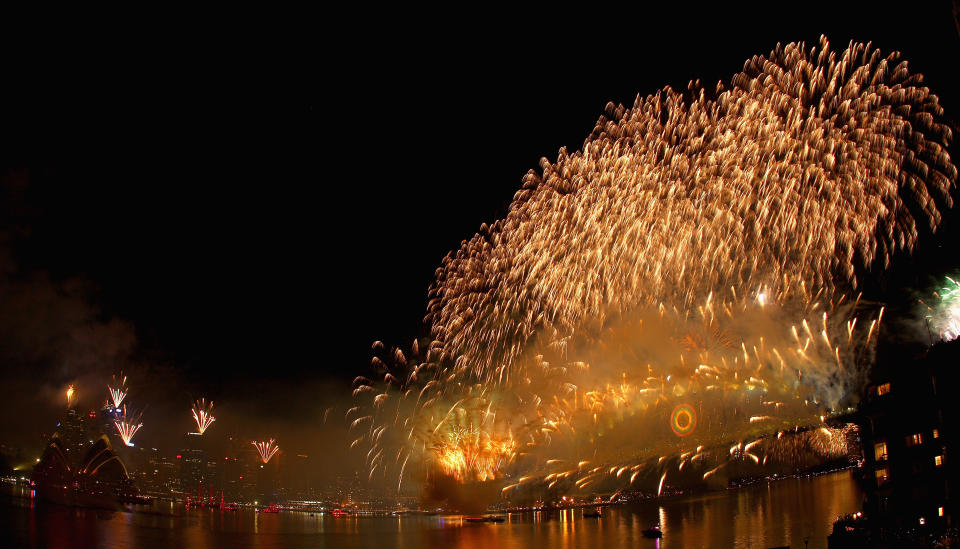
(936, 433)
(915, 439)
(880, 451)
(883, 389)
(940, 511)
(938, 460)
(881, 475)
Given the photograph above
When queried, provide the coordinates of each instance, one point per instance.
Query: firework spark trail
(266, 449)
(127, 425)
(203, 415)
(118, 390)
(463, 438)
(803, 168)
(789, 452)
(697, 250)
(70, 393)
(468, 452)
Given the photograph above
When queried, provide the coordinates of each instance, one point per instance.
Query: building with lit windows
(74, 438)
(908, 421)
(193, 468)
(106, 416)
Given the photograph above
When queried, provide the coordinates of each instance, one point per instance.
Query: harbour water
(768, 514)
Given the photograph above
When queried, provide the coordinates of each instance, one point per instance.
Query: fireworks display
(128, 423)
(680, 295)
(943, 311)
(70, 393)
(266, 449)
(203, 415)
(118, 390)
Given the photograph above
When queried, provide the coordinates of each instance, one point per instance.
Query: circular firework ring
(683, 420)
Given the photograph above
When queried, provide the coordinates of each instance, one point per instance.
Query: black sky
(249, 208)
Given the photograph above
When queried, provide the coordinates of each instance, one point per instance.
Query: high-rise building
(169, 475)
(909, 423)
(249, 462)
(297, 474)
(107, 416)
(193, 467)
(237, 471)
(229, 477)
(73, 436)
(212, 477)
(268, 480)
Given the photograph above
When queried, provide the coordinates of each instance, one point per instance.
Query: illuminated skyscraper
(73, 436)
(193, 466)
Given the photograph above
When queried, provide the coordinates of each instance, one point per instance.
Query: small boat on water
(493, 518)
(653, 532)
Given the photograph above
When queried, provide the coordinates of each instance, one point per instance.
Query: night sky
(240, 215)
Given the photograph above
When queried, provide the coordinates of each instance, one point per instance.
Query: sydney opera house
(76, 469)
